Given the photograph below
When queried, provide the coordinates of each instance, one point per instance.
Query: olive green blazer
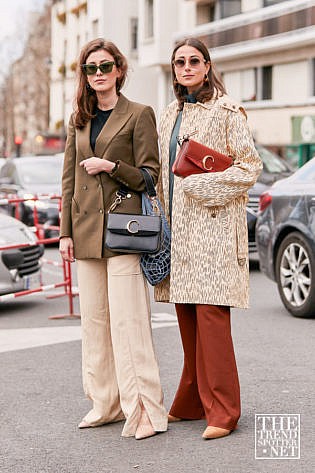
(129, 137)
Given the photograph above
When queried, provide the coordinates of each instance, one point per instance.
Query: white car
(20, 268)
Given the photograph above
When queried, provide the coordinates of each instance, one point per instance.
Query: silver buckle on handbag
(155, 206)
(181, 139)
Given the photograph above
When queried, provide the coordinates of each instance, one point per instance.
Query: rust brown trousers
(209, 386)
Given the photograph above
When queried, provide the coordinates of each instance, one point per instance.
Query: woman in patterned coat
(209, 263)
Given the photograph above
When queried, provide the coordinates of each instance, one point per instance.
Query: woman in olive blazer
(109, 139)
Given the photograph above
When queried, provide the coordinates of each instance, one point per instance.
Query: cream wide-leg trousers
(119, 365)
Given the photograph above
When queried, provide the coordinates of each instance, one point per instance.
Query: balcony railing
(261, 29)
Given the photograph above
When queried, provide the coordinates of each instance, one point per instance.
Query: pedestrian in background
(109, 138)
(209, 262)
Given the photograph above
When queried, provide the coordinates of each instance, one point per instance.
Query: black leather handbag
(148, 234)
(129, 233)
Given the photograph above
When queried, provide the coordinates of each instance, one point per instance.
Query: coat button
(84, 188)
(100, 185)
(101, 211)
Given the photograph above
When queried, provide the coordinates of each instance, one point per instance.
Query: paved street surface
(42, 399)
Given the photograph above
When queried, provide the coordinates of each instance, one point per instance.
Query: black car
(285, 236)
(274, 168)
(27, 177)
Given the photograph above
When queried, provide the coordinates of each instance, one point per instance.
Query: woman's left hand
(95, 165)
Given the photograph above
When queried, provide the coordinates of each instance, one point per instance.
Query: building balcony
(259, 29)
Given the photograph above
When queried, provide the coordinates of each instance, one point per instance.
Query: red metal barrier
(39, 229)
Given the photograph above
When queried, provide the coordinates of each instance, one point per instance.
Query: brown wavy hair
(213, 87)
(85, 99)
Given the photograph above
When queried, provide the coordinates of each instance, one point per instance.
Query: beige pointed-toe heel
(84, 425)
(215, 432)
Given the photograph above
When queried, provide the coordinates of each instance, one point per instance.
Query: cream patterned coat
(209, 263)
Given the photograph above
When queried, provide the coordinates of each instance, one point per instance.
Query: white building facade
(264, 49)
(74, 23)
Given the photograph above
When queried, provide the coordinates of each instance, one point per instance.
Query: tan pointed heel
(173, 418)
(215, 432)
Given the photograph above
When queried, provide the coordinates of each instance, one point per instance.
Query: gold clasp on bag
(118, 200)
(204, 162)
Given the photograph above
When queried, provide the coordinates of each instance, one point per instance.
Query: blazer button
(101, 211)
(84, 188)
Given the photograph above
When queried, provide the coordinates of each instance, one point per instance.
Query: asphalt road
(42, 399)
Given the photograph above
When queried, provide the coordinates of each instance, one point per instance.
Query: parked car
(27, 177)
(285, 235)
(20, 268)
(274, 168)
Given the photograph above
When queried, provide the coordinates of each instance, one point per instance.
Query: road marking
(22, 338)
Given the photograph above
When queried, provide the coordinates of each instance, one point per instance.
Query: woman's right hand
(66, 249)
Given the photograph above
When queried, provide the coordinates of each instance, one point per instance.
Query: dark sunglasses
(104, 67)
(193, 62)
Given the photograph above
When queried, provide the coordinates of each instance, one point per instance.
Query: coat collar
(118, 118)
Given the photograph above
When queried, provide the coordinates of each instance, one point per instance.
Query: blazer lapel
(118, 118)
(83, 137)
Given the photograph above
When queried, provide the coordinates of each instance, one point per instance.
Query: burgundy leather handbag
(195, 158)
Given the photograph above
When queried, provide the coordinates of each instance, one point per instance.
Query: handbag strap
(148, 182)
(123, 192)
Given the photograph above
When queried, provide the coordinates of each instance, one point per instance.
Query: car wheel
(295, 275)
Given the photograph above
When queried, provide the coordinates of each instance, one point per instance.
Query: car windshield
(271, 161)
(41, 172)
(306, 173)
